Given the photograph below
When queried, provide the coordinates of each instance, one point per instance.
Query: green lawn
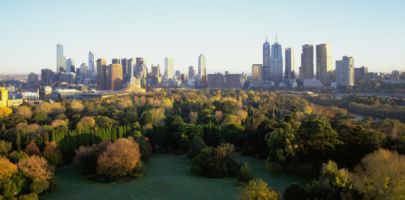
(168, 177)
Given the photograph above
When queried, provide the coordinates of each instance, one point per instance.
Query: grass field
(168, 177)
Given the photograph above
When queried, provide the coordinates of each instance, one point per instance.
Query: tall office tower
(169, 67)
(114, 77)
(140, 71)
(101, 74)
(60, 58)
(307, 62)
(92, 71)
(257, 72)
(125, 69)
(289, 64)
(70, 65)
(202, 65)
(324, 64)
(345, 72)
(191, 72)
(266, 61)
(276, 63)
(155, 70)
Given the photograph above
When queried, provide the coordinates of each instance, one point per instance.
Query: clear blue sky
(229, 32)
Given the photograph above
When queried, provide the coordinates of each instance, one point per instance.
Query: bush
(120, 159)
(35, 167)
(196, 146)
(32, 196)
(259, 190)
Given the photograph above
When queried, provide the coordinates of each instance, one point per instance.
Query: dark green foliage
(196, 146)
(5, 147)
(38, 186)
(244, 175)
(32, 196)
(295, 192)
(14, 186)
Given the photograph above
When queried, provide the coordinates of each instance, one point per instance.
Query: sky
(230, 33)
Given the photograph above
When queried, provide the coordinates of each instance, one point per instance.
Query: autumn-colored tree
(24, 112)
(76, 106)
(58, 122)
(4, 112)
(35, 167)
(32, 149)
(7, 169)
(259, 190)
(119, 159)
(5, 147)
(381, 175)
(86, 122)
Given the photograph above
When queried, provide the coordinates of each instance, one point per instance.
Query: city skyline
(187, 32)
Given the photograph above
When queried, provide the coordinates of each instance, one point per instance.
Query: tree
(7, 169)
(196, 146)
(35, 167)
(24, 112)
(295, 192)
(52, 154)
(258, 190)
(119, 159)
(86, 122)
(333, 183)
(317, 140)
(282, 144)
(32, 149)
(380, 175)
(76, 106)
(5, 147)
(4, 112)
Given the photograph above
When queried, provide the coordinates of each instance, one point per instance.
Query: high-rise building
(169, 64)
(141, 71)
(191, 72)
(92, 71)
(276, 63)
(266, 61)
(289, 64)
(101, 74)
(307, 62)
(257, 72)
(47, 77)
(60, 58)
(324, 64)
(345, 72)
(114, 77)
(70, 65)
(116, 61)
(360, 73)
(202, 71)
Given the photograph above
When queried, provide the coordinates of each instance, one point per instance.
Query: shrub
(35, 167)
(259, 190)
(196, 146)
(52, 154)
(119, 159)
(32, 149)
(7, 169)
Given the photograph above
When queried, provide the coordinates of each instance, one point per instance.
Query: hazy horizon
(229, 33)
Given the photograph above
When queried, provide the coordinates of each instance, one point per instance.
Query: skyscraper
(60, 58)
(345, 72)
(101, 74)
(114, 77)
(202, 66)
(70, 65)
(92, 71)
(276, 63)
(307, 62)
(257, 72)
(266, 61)
(324, 64)
(191, 72)
(169, 67)
(289, 63)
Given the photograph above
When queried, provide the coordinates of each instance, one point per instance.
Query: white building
(60, 58)
(202, 71)
(324, 63)
(276, 63)
(345, 72)
(92, 70)
(169, 64)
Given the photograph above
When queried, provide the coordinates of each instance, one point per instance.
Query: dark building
(47, 77)
(360, 73)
